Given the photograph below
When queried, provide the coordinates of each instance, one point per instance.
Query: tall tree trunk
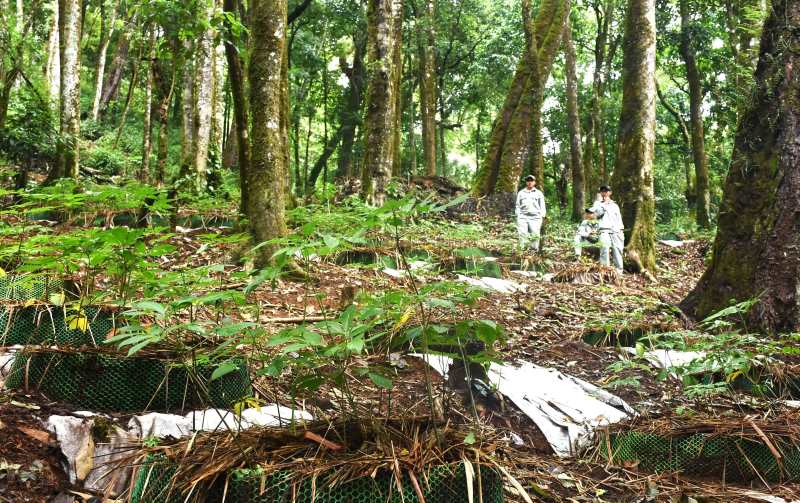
(203, 107)
(241, 105)
(412, 135)
(53, 68)
(147, 145)
(379, 121)
(757, 248)
(703, 200)
(516, 136)
(351, 113)
(69, 33)
(106, 32)
(427, 85)
(118, 65)
(596, 173)
(266, 179)
(574, 125)
(397, 91)
(690, 192)
(187, 99)
(165, 76)
(633, 174)
(129, 96)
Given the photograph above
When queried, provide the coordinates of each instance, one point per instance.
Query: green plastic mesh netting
(28, 287)
(728, 457)
(439, 484)
(127, 384)
(54, 325)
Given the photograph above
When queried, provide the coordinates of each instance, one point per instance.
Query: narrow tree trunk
(187, 99)
(427, 85)
(633, 174)
(53, 71)
(129, 96)
(397, 81)
(165, 84)
(379, 121)
(595, 173)
(147, 145)
(266, 179)
(69, 33)
(118, 65)
(757, 248)
(690, 192)
(412, 135)
(703, 199)
(106, 32)
(203, 94)
(351, 114)
(241, 105)
(574, 126)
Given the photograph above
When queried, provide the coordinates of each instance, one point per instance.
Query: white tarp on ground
(668, 358)
(495, 284)
(566, 409)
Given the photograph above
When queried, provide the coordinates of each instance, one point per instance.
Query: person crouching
(587, 233)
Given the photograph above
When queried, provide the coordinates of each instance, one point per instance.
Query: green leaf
(469, 439)
(223, 370)
(380, 380)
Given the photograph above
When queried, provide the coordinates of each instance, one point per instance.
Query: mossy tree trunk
(633, 174)
(757, 248)
(266, 179)
(165, 75)
(574, 125)
(241, 105)
(69, 33)
(397, 81)
(702, 196)
(379, 121)
(147, 144)
(107, 25)
(351, 112)
(53, 66)
(427, 84)
(203, 95)
(594, 154)
(516, 134)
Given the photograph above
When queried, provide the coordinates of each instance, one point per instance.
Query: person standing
(530, 210)
(610, 228)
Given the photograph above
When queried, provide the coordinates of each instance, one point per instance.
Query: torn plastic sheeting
(668, 358)
(495, 284)
(566, 409)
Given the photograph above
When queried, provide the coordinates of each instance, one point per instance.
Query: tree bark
(574, 126)
(516, 135)
(106, 32)
(351, 114)
(379, 121)
(633, 174)
(690, 193)
(757, 248)
(427, 85)
(596, 173)
(118, 64)
(703, 199)
(187, 99)
(53, 68)
(241, 105)
(266, 179)
(397, 81)
(165, 79)
(69, 33)
(147, 145)
(203, 95)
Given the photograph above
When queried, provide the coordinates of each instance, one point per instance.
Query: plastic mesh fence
(439, 484)
(126, 384)
(54, 325)
(729, 457)
(22, 288)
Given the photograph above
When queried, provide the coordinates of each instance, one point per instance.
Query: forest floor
(559, 304)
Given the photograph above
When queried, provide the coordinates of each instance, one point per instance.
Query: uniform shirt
(610, 218)
(587, 228)
(530, 204)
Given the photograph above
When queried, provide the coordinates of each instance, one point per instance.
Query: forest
(399, 251)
